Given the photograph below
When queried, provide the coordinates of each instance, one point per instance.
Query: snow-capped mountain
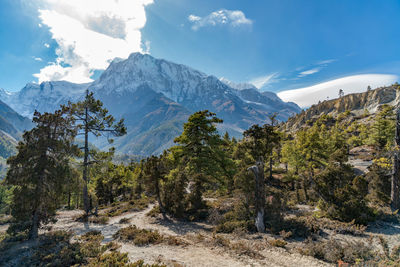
(44, 97)
(155, 97)
(237, 86)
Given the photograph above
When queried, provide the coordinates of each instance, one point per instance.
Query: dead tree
(258, 171)
(395, 189)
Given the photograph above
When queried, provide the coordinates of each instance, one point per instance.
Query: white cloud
(233, 18)
(194, 18)
(260, 82)
(326, 62)
(46, 45)
(37, 58)
(307, 96)
(90, 34)
(309, 72)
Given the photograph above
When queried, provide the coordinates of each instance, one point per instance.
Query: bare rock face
(356, 103)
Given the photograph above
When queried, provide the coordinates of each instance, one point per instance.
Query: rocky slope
(356, 103)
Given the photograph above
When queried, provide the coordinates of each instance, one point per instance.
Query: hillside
(358, 104)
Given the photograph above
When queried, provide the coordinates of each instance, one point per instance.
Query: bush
(154, 212)
(232, 226)
(99, 219)
(139, 237)
(124, 221)
(278, 243)
(332, 251)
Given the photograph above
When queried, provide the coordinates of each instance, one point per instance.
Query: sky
(313, 46)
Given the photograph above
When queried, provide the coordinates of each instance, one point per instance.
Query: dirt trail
(193, 254)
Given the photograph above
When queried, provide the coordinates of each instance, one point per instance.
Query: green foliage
(200, 146)
(39, 171)
(343, 194)
(6, 193)
(379, 181)
(89, 117)
(383, 129)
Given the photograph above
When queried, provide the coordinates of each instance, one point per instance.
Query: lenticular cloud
(90, 34)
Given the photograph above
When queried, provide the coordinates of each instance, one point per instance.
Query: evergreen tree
(39, 171)
(154, 172)
(90, 117)
(383, 129)
(199, 146)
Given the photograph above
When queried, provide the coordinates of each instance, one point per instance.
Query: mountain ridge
(152, 93)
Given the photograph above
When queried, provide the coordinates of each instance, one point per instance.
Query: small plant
(124, 221)
(278, 243)
(154, 212)
(99, 219)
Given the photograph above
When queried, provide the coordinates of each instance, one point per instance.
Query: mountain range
(156, 97)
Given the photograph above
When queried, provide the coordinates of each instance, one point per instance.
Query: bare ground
(195, 252)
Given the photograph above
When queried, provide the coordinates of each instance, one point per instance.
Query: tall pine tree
(90, 117)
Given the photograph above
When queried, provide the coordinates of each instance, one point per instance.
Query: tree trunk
(297, 192)
(270, 168)
(160, 204)
(305, 188)
(33, 235)
(395, 187)
(85, 165)
(258, 171)
(69, 199)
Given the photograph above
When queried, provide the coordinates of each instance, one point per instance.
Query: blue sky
(276, 44)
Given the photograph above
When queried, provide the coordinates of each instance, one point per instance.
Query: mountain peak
(238, 86)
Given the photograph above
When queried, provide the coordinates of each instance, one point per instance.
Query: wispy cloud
(46, 45)
(309, 72)
(37, 59)
(314, 68)
(262, 81)
(326, 62)
(307, 96)
(89, 34)
(232, 18)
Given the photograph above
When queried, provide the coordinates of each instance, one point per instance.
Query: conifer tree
(39, 171)
(90, 117)
(154, 172)
(200, 142)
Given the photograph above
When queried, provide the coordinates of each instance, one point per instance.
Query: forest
(238, 185)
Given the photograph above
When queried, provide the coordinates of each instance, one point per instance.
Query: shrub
(278, 243)
(124, 221)
(231, 226)
(154, 212)
(99, 219)
(139, 237)
(333, 251)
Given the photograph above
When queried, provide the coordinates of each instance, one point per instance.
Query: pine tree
(154, 171)
(90, 117)
(200, 142)
(39, 171)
